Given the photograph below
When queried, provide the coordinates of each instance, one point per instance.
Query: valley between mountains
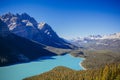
(24, 40)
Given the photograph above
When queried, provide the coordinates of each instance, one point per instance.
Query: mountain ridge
(95, 37)
(26, 26)
(105, 42)
(15, 49)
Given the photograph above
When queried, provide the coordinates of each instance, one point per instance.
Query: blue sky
(70, 18)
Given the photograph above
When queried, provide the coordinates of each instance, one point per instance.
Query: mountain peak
(15, 20)
(45, 28)
(7, 15)
(99, 37)
(26, 26)
(25, 16)
(41, 25)
(22, 16)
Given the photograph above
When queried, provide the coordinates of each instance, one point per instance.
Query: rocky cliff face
(15, 49)
(25, 26)
(22, 25)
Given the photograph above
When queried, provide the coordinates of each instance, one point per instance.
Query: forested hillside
(108, 72)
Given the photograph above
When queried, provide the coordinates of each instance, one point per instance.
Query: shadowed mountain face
(4, 31)
(25, 26)
(15, 49)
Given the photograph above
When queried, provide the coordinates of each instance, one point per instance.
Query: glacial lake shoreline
(21, 71)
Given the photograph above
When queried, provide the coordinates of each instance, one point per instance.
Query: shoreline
(80, 63)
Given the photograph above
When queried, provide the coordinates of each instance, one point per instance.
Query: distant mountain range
(98, 42)
(25, 26)
(15, 49)
(96, 37)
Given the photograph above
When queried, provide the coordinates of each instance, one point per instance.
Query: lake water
(20, 71)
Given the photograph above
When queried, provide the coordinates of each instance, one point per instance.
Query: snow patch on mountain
(41, 25)
(98, 37)
(26, 26)
(28, 23)
(12, 26)
(112, 36)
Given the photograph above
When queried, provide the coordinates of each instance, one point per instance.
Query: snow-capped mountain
(108, 42)
(98, 37)
(26, 26)
(13, 21)
(112, 36)
(48, 36)
(47, 30)
(22, 25)
(15, 49)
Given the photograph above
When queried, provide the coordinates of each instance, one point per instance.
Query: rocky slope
(15, 49)
(25, 26)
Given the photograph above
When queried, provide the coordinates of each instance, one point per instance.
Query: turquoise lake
(20, 71)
